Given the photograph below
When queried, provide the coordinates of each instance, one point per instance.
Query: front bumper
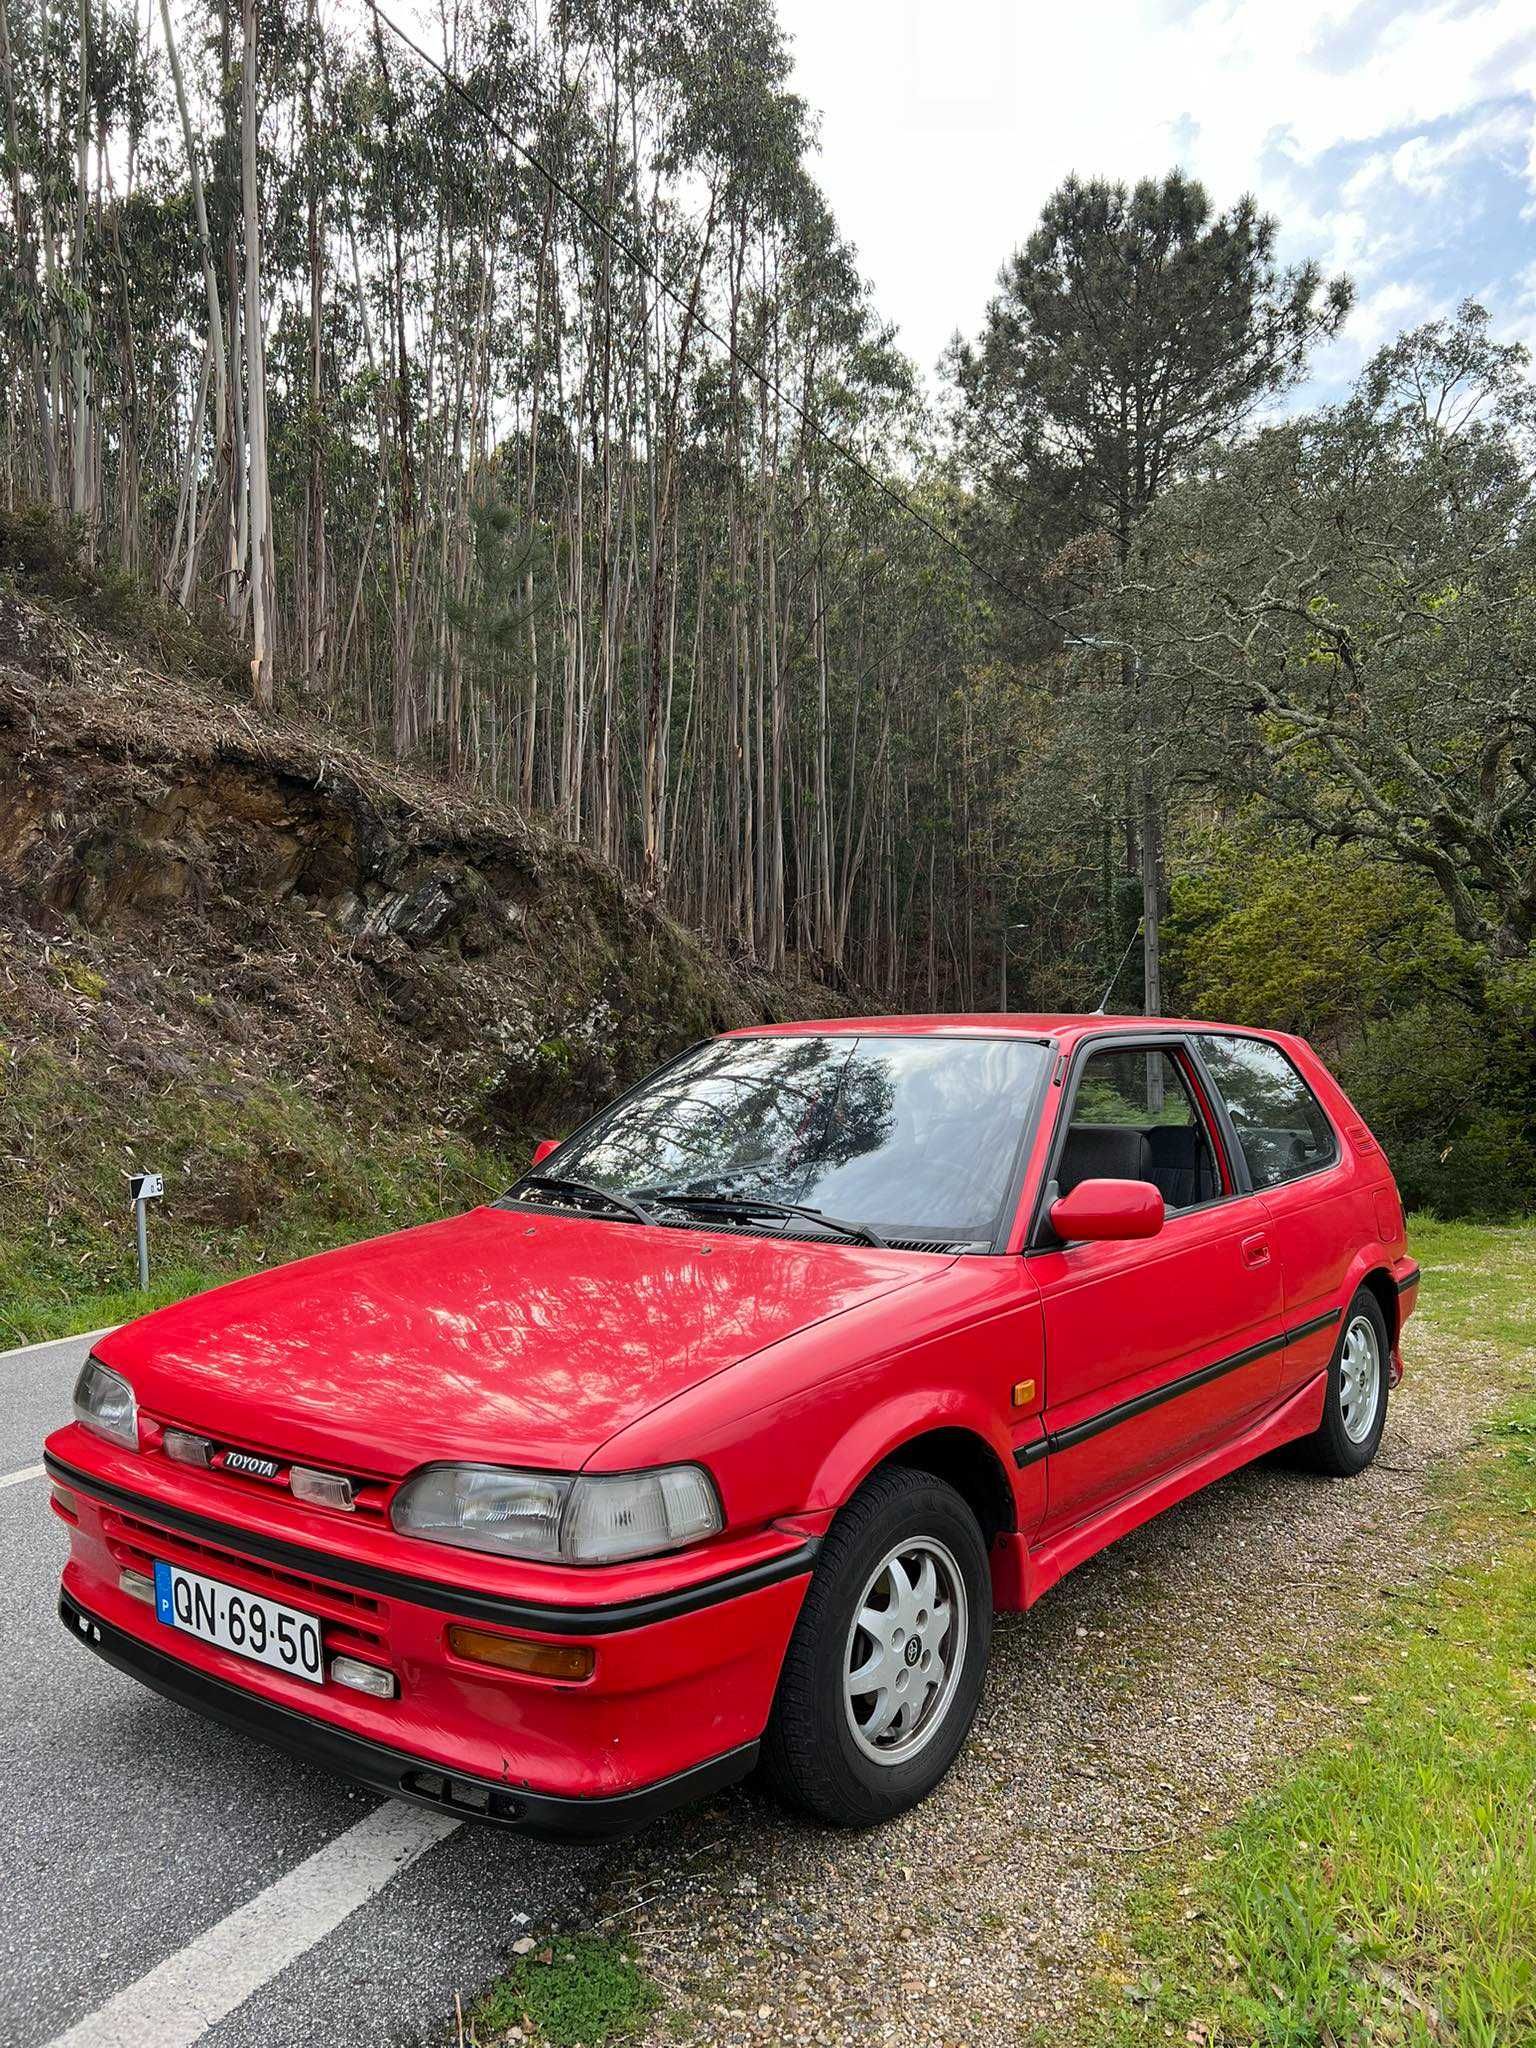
(392, 1772)
(681, 1684)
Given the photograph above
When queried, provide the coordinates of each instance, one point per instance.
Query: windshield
(914, 1138)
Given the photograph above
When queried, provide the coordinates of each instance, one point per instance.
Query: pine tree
(1133, 328)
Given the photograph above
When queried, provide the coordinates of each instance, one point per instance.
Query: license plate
(244, 1623)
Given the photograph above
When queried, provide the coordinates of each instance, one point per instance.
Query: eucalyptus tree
(528, 475)
(1133, 327)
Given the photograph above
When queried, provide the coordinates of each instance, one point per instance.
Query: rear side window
(1278, 1120)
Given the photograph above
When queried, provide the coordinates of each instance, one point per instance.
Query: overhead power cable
(769, 383)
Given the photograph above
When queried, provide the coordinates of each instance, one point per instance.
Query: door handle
(1255, 1251)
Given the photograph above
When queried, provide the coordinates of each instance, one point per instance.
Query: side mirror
(542, 1150)
(1105, 1210)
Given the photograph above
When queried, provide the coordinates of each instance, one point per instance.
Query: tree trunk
(255, 374)
(79, 489)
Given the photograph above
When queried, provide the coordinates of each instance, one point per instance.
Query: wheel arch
(969, 1464)
(1379, 1281)
(940, 1435)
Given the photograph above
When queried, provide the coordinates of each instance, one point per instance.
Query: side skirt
(1022, 1575)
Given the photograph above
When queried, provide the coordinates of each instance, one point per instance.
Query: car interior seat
(1104, 1152)
(1181, 1164)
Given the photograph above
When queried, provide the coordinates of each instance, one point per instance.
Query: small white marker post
(143, 1188)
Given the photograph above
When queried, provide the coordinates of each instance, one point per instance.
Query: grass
(256, 1172)
(1479, 1278)
(578, 1992)
(1385, 1891)
(30, 1313)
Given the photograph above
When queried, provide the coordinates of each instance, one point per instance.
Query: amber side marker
(517, 1653)
(1023, 1393)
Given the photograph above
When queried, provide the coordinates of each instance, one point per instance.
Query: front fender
(892, 1425)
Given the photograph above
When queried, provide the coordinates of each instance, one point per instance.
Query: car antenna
(1103, 1004)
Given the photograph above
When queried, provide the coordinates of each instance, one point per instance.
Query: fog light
(64, 1500)
(351, 1671)
(320, 1489)
(516, 1653)
(136, 1585)
(187, 1449)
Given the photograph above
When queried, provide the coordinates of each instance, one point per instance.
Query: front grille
(370, 1493)
(137, 1544)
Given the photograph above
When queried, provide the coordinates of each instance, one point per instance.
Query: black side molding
(394, 1773)
(1311, 1327)
(1125, 1411)
(372, 1578)
(1408, 1281)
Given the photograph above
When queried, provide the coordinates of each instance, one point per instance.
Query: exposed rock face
(293, 895)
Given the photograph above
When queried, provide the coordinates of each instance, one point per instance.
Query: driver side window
(1134, 1118)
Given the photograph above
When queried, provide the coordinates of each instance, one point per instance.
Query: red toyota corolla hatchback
(720, 1437)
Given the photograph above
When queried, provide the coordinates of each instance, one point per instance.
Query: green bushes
(1435, 1042)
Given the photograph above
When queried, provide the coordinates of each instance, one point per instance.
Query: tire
(852, 1755)
(1348, 1437)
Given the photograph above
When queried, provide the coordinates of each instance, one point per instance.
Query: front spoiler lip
(395, 1773)
(437, 1593)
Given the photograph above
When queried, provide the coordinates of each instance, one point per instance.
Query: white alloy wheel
(905, 1650)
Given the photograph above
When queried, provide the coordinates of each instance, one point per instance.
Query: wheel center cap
(913, 1651)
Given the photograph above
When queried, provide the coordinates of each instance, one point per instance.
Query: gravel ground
(1142, 1700)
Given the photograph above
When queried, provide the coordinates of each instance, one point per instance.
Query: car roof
(1064, 1026)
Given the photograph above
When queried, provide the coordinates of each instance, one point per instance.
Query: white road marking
(177, 2001)
(15, 1478)
(49, 1343)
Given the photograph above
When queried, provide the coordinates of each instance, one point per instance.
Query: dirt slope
(325, 993)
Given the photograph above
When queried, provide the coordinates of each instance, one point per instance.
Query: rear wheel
(884, 1670)
(1355, 1411)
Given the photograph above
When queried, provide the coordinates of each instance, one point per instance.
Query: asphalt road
(168, 1881)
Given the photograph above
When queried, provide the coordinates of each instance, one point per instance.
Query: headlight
(482, 1507)
(583, 1520)
(104, 1402)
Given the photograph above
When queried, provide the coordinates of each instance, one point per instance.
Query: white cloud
(1385, 312)
(945, 127)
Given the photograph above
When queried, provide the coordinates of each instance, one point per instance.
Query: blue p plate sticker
(164, 1608)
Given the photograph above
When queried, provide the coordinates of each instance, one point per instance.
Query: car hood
(507, 1336)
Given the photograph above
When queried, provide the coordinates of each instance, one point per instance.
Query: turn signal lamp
(518, 1653)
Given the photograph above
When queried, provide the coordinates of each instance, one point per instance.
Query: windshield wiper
(753, 1205)
(559, 1184)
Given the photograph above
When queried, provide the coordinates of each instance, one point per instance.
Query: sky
(1394, 140)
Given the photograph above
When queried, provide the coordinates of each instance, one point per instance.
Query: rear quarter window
(1280, 1124)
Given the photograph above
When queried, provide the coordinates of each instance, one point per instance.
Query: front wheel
(1355, 1412)
(884, 1670)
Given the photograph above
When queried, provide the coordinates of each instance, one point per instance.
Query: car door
(1154, 1350)
(1301, 1173)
